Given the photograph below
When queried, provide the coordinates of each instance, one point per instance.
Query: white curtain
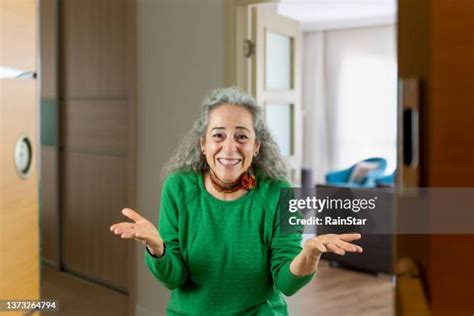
(316, 152)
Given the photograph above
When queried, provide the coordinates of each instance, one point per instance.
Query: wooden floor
(80, 298)
(340, 292)
(333, 292)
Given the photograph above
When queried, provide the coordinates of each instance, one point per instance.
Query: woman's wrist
(312, 255)
(305, 263)
(158, 253)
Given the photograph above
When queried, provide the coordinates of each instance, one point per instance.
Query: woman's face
(230, 143)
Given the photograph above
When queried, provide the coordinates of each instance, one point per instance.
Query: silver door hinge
(249, 48)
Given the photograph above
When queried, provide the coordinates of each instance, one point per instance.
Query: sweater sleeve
(285, 246)
(168, 269)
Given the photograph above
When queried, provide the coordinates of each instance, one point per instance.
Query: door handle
(410, 137)
(15, 73)
(410, 99)
(23, 156)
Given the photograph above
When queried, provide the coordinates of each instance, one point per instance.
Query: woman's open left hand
(141, 230)
(338, 244)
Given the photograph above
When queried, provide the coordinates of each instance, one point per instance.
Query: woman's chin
(229, 177)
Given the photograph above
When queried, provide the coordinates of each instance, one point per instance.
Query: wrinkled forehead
(230, 117)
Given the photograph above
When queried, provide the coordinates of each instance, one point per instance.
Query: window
(366, 111)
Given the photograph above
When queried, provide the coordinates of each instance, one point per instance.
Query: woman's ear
(202, 143)
(257, 148)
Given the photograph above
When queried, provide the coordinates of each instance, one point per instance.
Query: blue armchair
(345, 178)
(386, 180)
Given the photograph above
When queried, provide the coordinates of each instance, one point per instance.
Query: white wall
(315, 142)
(180, 59)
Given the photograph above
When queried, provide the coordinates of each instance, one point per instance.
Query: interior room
(363, 98)
(349, 83)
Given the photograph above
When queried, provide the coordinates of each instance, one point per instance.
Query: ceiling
(331, 14)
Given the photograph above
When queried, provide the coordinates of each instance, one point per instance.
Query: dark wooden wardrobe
(88, 112)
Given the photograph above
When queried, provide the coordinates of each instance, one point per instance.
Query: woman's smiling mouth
(229, 161)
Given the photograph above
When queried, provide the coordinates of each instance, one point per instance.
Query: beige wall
(180, 59)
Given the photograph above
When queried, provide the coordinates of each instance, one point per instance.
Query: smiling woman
(230, 144)
(218, 245)
(242, 111)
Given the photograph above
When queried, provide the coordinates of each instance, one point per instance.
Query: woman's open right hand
(141, 230)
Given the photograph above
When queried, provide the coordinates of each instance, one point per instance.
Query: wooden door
(276, 80)
(19, 222)
(435, 46)
(96, 137)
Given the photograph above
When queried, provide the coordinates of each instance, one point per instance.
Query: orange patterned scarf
(246, 181)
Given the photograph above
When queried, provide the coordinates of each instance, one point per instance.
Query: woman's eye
(242, 137)
(218, 135)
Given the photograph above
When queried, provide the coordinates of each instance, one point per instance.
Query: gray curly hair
(188, 155)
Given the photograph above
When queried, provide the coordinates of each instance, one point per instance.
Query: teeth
(229, 162)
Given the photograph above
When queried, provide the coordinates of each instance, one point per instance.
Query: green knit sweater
(224, 257)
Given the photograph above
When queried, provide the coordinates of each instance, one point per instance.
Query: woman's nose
(229, 146)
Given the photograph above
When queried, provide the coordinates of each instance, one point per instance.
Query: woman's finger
(140, 236)
(122, 227)
(131, 214)
(334, 248)
(346, 246)
(118, 225)
(135, 234)
(127, 235)
(349, 237)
